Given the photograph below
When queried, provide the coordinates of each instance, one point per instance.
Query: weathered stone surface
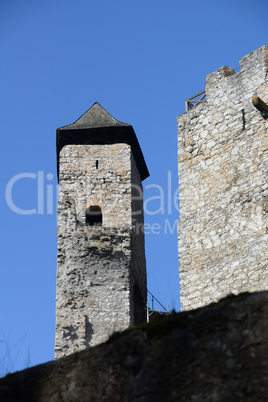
(101, 270)
(216, 353)
(223, 179)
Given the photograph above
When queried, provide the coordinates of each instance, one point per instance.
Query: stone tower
(223, 179)
(101, 270)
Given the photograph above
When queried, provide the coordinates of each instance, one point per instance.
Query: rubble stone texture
(223, 186)
(101, 271)
(217, 353)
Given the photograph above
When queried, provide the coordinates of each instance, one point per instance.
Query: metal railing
(151, 310)
(195, 100)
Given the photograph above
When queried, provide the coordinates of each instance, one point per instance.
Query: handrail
(195, 100)
(151, 311)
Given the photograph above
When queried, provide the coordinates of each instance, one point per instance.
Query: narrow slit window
(93, 216)
(97, 164)
(243, 120)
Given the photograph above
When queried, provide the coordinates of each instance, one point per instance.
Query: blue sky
(140, 60)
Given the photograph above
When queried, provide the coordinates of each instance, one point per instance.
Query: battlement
(225, 86)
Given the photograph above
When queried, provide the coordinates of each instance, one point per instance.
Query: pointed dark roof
(97, 126)
(94, 117)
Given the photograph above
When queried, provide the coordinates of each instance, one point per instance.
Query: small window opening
(243, 120)
(93, 215)
(97, 164)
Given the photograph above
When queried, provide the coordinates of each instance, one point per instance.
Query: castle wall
(218, 353)
(223, 186)
(96, 276)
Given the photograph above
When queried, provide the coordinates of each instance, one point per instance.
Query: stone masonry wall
(96, 278)
(217, 353)
(108, 185)
(223, 167)
(138, 263)
(93, 286)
